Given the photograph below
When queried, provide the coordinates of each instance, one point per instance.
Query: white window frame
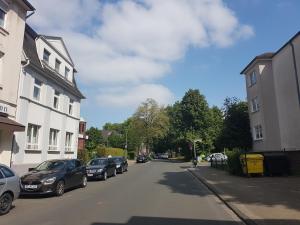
(67, 72)
(56, 99)
(53, 139)
(32, 143)
(47, 61)
(252, 79)
(37, 86)
(258, 133)
(57, 65)
(68, 141)
(255, 105)
(71, 107)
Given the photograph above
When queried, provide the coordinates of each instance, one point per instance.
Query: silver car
(9, 188)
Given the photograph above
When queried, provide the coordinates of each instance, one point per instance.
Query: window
(7, 172)
(2, 18)
(57, 65)
(67, 71)
(32, 137)
(56, 99)
(255, 104)
(37, 90)
(46, 56)
(258, 135)
(53, 139)
(71, 107)
(1, 175)
(68, 145)
(252, 80)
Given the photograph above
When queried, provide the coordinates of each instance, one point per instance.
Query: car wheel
(60, 188)
(105, 176)
(84, 182)
(5, 203)
(115, 173)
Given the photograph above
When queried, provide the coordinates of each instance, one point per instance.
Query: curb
(234, 209)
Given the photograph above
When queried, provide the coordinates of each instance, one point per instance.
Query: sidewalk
(260, 201)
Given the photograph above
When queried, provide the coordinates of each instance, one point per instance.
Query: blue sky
(127, 51)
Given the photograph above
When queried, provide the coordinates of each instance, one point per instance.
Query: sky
(126, 51)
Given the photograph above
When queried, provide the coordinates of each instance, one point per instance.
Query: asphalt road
(154, 193)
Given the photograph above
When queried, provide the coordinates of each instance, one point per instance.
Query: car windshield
(50, 165)
(97, 162)
(117, 160)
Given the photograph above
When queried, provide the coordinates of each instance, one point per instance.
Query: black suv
(121, 164)
(101, 168)
(54, 176)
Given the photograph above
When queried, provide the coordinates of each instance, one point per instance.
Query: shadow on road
(137, 220)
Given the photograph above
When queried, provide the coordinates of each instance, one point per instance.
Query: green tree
(217, 122)
(236, 130)
(95, 138)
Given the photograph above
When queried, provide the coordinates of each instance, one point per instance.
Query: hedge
(104, 152)
(234, 163)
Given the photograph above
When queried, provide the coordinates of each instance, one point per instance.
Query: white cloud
(132, 97)
(133, 42)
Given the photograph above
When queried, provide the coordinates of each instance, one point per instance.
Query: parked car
(141, 159)
(101, 168)
(9, 188)
(164, 156)
(216, 157)
(54, 177)
(121, 164)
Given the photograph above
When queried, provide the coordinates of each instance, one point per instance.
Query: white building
(48, 103)
(12, 24)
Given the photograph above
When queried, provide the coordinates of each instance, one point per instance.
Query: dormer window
(2, 18)
(67, 71)
(57, 65)
(46, 56)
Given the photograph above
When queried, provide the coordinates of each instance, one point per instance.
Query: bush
(83, 155)
(104, 152)
(233, 162)
(131, 155)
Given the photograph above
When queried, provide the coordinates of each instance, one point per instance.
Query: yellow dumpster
(252, 163)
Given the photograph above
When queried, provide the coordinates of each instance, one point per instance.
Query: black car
(101, 168)
(121, 164)
(54, 176)
(141, 159)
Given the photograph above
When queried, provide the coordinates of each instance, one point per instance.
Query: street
(153, 193)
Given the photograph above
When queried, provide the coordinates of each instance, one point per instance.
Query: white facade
(47, 106)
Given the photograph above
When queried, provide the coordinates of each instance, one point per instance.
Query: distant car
(101, 168)
(9, 188)
(216, 157)
(54, 177)
(121, 164)
(164, 156)
(141, 159)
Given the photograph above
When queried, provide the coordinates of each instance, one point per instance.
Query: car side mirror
(30, 169)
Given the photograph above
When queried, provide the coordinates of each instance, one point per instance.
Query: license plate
(90, 175)
(31, 186)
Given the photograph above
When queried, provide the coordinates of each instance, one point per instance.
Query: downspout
(296, 71)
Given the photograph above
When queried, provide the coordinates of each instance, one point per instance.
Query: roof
(28, 5)
(29, 47)
(269, 55)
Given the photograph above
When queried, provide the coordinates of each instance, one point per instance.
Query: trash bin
(252, 163)
(276, 164)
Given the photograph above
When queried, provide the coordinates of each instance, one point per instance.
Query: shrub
(233, 162)
(104, 152)
(131, 155)
(83, 155)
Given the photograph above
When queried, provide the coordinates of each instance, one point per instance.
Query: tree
(236, 130)
(95, 138)
(217, 122)
(151, 120)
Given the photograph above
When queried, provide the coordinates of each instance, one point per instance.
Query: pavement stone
(256, 200)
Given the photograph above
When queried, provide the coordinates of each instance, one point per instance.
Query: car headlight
(118, 166)
(49, 181)
(99, 170)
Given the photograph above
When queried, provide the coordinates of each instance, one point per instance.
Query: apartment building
(13, 15)
(48, 102)
(273, 96)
